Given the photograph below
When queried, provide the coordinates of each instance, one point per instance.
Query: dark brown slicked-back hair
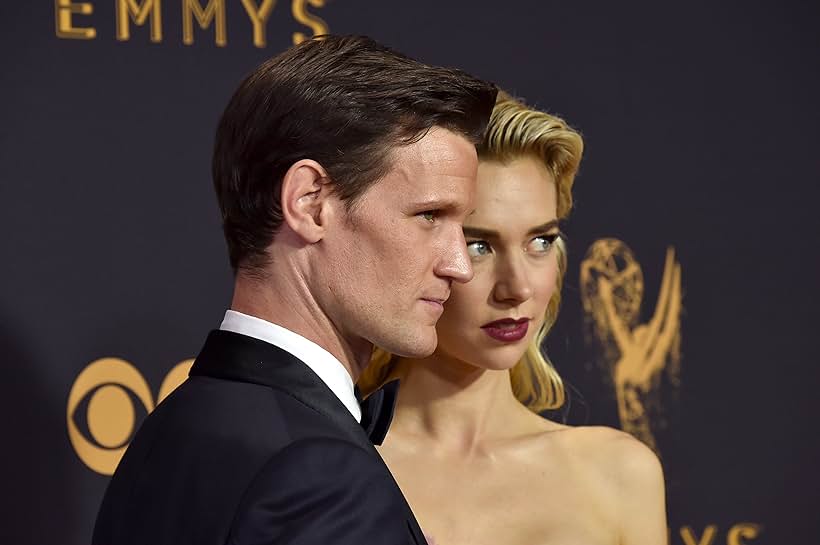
(344, 102)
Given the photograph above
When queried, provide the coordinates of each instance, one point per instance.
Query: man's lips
(436, 303)
(508, 329)
(438, 298)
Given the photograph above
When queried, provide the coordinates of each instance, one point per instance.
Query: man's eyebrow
(437, 203)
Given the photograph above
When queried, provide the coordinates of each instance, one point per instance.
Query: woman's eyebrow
(543, 227)
(478, 232)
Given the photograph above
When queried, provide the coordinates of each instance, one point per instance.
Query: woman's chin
(501, 366)
(499, 360)
(505, 356)
(483, 353)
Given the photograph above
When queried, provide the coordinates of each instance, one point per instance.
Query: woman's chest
(491, 506)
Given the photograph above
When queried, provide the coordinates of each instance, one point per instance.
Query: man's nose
(455, 262)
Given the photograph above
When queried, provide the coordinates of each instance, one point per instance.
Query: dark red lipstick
(507, 330)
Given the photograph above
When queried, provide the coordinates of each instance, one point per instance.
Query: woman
(475, 460)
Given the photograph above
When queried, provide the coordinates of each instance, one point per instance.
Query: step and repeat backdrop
(697, 203)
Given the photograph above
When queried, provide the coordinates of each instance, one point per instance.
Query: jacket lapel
(232, 356)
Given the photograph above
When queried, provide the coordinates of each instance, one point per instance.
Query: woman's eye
(478, 248)
(542, 244)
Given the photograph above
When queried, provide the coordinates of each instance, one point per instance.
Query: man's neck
(290, 304)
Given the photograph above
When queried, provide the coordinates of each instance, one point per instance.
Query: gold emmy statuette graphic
(110, 413)
(636, 354)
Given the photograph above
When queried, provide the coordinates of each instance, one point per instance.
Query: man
(343, 172)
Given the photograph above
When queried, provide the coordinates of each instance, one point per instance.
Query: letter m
(138, 11)
(204, 16)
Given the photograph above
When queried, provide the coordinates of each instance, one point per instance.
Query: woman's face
(489, 321)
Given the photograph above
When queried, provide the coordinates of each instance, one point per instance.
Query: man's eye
(429, 215)
(542, 244)
(478, 248)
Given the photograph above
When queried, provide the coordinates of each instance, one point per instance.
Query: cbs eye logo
(108, 394)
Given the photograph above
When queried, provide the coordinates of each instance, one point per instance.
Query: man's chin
(416, 346)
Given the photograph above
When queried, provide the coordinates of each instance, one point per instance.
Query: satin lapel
(232, 356)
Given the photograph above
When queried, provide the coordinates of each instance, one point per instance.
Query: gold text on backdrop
(739, 534)
(140, 12)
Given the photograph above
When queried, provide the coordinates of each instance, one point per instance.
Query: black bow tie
(377, 411)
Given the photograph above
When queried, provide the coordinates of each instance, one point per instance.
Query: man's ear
(305, 193)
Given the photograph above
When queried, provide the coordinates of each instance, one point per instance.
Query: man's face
(388, 265)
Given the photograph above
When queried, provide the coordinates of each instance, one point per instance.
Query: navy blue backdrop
(701, 125)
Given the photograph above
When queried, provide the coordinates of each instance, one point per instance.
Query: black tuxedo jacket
(252, 449)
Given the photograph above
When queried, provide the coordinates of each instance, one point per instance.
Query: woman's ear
(304, 197)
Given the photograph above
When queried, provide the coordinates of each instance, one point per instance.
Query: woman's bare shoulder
(626, 475)
(595, 438)
(609, 453)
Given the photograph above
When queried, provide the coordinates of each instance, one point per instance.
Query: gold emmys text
(69, 25)
(741, 533)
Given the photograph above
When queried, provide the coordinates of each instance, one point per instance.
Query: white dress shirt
(320, 361)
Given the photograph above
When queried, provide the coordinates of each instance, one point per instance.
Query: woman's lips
(507, 330)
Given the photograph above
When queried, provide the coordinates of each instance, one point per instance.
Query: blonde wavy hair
(516, 131)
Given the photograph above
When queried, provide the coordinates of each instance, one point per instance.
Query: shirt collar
(320, 361)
